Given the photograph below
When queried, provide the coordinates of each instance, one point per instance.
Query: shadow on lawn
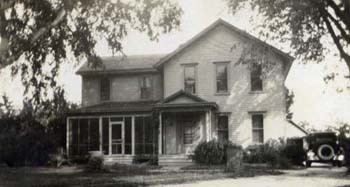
(118, 175)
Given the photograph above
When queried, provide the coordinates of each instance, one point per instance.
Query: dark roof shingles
(119, 63)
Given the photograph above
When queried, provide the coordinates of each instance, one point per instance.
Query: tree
(38, 35)
(304, 24)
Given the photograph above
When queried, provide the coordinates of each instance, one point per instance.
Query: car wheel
(325, 152)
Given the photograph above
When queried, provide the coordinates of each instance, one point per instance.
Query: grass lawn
(118, 175)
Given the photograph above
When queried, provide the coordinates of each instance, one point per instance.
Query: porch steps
(110, 160)
(174, 160)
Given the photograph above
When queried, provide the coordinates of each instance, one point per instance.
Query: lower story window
(222, 127)
(258, 128)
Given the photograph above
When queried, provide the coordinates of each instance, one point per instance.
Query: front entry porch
(181, 132)
(185, 120)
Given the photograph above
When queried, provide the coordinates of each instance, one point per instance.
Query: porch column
(100, 129)
(160, 134)
(133, 135)
(208, 125)
(110, 138)
(67, 137)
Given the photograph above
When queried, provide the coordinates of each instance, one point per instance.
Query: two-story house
(166, 104)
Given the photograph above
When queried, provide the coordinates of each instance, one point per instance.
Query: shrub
(95, 164)
(23, 142)
(210, 153)
(234, 159)
(294, 153)
(269, 153)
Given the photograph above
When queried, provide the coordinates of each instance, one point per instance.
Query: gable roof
(182, 93)
(231, 27)
(120, 64)
(196, 103)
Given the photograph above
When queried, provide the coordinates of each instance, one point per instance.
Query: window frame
(194, 66)
(254, 129)
(226, 64)
(141, 82)
(102, 99)
(254, 78)
(223, 130)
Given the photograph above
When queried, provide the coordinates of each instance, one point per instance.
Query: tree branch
(343, 54)
(342, 15)
(340, 28)
(35, 36)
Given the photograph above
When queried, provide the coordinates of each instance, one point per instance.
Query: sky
(315, 101)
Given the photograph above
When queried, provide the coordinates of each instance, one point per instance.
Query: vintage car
(323, 147)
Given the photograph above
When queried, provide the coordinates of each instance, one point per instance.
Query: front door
(117, 138)
(187, 124)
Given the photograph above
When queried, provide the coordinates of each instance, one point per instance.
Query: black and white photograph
(178, 93)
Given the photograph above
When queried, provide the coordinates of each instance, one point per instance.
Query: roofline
(298, 127)
(186, 105)
(230, 26)
(180, 92)
(119, 71)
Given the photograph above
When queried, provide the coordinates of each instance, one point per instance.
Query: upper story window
(256, 81)
(190, 78)
(105, 88)
(146, 87)
(221, 77)
(222, 127)
(258, 128)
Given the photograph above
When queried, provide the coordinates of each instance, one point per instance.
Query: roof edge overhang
(118, 72)
(186, 105)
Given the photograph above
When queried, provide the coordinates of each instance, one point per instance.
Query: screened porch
(113, 135)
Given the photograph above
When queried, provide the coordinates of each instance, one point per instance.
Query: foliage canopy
(38, 35)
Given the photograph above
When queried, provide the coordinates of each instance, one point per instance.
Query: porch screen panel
(94, 143)
(144, 135)
(83, 136)
(148, 135)
(127, 128)
(74, 148)
(105, 135)
(139, 138)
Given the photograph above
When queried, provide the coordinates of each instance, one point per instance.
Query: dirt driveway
(320, 176)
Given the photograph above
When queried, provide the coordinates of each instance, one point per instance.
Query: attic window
(105, 89)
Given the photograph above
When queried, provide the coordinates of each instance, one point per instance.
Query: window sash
(105, 89)
(190, 79)
(221, 78)
(146, 88)
(255, 78)
(258, 128)
(222, 129)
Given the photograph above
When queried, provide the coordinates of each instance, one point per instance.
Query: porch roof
(113, 107)
(185, 101)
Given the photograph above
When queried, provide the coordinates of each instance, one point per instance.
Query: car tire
(323, 157)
